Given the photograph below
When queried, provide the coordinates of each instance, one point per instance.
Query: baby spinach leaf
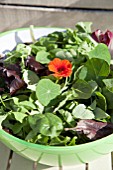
(84, 27)
(100, 114)
(67, 116)
(19, 116)
(2, 118)
(46, 91)
(108, 83)
(81, 112)
(101, 100)
(101, 52)
(17, 127)
(82, 90)
(27, 104)
(94, 73)
(108, 93)
(30, 77)
(35, 48)
(23, 49)
(93, 105)
(43, 57)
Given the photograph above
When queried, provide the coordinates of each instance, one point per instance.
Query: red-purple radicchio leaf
(104, 37)
(15, 85)
(10, 73)
(13, 81)
(14, 67)
(93, 129)
(37, 67)
(34, 65)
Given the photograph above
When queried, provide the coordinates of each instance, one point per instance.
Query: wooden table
(60, 13)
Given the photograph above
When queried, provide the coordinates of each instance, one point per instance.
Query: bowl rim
(58, 148)
(47, 147)
(27, 28)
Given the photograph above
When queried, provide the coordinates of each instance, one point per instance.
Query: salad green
(58, 90)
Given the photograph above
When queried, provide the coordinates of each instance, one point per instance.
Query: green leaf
(108, 83)
(43, 57)
(30, 135)
(94, 69)
(73, 141)
(101, 100)
(100, 114)
(23, 49)
(84, 27)
(67, 116)
(82, 90)
(35, 48)
(64, 54)
(31, 79)
(27, 104)
(19, 116)
(108, 93)
(17, 127)
(55, 125)
(93, 84)
(41, 139)
(93, 105)
(47, 124)
(37, 121)
(101, 52)
(46, 91)
(2, 118)
(81, 112)
(59, 141)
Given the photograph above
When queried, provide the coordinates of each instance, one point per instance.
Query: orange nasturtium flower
(61, 68)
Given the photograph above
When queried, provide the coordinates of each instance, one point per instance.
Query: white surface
(9, 40)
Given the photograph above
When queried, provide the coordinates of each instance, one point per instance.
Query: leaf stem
(2, 101)
(32, 33)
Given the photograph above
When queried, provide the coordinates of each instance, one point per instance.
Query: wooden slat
(11, 18)
(103, 163)
(107, 4)
(4, 155)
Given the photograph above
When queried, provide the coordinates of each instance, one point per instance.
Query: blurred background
(56, 13)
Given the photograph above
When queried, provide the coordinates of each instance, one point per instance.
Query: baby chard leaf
(46, 90)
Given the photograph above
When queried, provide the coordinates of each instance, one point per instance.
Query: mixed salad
(58, 90)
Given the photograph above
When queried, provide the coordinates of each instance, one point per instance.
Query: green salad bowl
(49, 155)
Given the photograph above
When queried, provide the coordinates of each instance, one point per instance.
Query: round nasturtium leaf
(47, 124)
(46, 91)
